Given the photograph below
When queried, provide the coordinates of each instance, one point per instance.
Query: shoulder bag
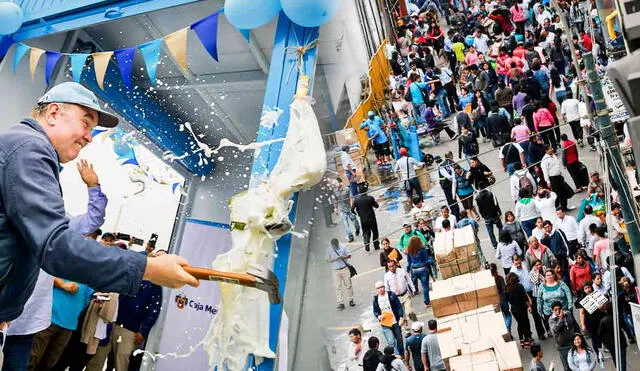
(352, 269)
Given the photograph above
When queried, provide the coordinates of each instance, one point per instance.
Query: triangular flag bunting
(246, 34)
(151, 54)
(52, 59)
(77, 65)
(5, 44)
(125, 63)
(34, 57)
(21, 50)
(100, 64)
(177, 44)
(207, 31)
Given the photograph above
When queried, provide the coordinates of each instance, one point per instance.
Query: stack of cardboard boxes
(471, 330)
(456, 252)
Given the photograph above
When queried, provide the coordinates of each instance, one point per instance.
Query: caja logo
(181, 301)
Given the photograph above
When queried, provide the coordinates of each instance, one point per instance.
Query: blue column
(281, 87)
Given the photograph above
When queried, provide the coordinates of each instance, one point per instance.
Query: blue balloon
(121, 149)
(249, 14)
(310, 13)
(11, 18)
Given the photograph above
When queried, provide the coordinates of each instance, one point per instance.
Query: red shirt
(570, 151)
(579, 275)
(586, 41)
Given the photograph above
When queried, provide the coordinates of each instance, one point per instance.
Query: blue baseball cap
(74, 93)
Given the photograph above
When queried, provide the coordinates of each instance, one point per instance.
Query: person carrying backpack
(521, 179)
(510, 154)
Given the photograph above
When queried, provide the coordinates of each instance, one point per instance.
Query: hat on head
(402, 151)
(379, 284)
(417, 326)
(371, 113)
(595, 173)
(74, 93)
(406, 224)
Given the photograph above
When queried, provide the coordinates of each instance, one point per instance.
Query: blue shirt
(35, 233)
(466, 99)
(377, 121)
(381, 138)
(139, 313)
(419, 260)
(416, 94)
(67, 307)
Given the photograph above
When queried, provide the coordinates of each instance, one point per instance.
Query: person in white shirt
(584, 235)
(406, 165)
(569, 226)
(615, 228)
(398, 281)
(546, 203)
(552, 171)
(358, 346)
(515, 182)
(543, 14)
(444, 214)
(585, 123)
(570, 111)
(481, 42)
(506, 249)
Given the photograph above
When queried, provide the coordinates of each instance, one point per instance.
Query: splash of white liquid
(224, 142)
(203, 146)
(241, 326)
(170, 156)
(270, 117)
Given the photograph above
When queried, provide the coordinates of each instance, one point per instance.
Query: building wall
(18, 94)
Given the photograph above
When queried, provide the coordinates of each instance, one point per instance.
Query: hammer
(257, 277)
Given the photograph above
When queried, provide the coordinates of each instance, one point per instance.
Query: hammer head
(267, 281)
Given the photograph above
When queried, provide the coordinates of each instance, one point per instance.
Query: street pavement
(323, 341)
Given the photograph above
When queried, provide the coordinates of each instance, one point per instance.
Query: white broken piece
(270, 116)
(241, 326)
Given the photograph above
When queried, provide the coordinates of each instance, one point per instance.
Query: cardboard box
(443, 247)
(423, 177)
(508, 357)
(463, 293)
(456, 252)
(346, 137)
(480, 361)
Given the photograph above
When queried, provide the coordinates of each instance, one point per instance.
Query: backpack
(407, 96)
(525, 183)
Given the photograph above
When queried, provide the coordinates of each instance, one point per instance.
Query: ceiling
(221, 99)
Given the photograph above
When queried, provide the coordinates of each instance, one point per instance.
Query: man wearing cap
(407, 167)
(409, 232)
(379, 141)
(37, 314)
(414, 346)
(388, 310)
(34, 230)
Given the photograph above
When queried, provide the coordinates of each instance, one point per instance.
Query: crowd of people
(501, 72)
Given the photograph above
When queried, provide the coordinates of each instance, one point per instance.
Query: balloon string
(300, 51)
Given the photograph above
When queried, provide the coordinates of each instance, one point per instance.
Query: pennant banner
(100, 64)
(125, 63)
(151, 54)
(34, 57)
(207, 31)
(177, 44)
(52, 60)
(246, 34)
(20, 51)
(77, 65)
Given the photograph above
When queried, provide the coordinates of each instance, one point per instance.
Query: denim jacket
(34, 231)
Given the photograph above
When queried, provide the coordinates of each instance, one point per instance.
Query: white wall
(209, 197)
(18, 94)
(351, 62)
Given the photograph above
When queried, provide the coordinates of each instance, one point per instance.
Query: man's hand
(138, 339)
(401, 322)
(70, 287)
(89, 177)
(166, 270)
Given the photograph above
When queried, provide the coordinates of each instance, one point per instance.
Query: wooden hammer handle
(214, 275)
